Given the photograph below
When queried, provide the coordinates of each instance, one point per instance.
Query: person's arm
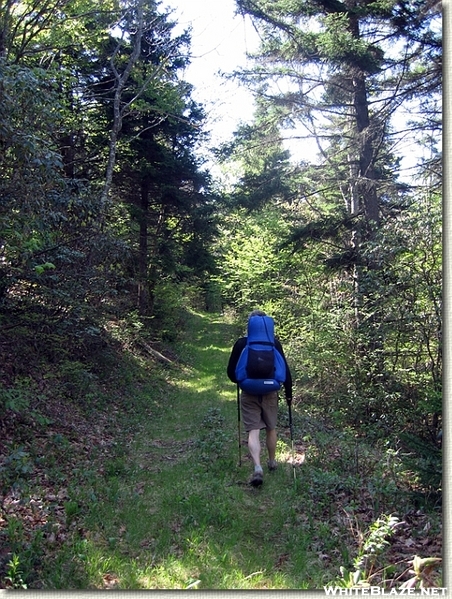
(288, 384)
(234, 358)
(288, 381)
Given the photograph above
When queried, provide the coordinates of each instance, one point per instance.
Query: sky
(220, 41)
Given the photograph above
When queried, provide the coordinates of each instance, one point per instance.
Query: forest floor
(147, 493)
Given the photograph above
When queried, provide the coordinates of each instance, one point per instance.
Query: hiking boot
(272, 465)
(257, 479)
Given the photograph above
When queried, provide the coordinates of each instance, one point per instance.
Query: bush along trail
(151, 495)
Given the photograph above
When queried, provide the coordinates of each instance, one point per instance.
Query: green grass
(170, 508)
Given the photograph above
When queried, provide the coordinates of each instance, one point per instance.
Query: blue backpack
(260, 368)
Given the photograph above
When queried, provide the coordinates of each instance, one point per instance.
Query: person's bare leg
(271, 444)
(254, 447)
(271, 447)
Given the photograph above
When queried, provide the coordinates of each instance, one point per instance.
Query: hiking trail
(182, 515)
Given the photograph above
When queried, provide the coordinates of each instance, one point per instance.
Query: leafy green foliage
(16, 467)
(373, 546)
(14, 574)
(376, 371)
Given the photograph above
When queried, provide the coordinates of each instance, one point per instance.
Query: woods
(113, 231)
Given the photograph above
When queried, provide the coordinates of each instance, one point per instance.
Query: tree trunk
(121, 80)
(143, 295)
(366, 182)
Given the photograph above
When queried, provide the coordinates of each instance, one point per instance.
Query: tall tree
(262, 164)
(341, 69)
(158, 175)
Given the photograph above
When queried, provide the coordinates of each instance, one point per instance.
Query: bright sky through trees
(220, 40)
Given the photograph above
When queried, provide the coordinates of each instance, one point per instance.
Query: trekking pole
(238, 424)
(289, 403)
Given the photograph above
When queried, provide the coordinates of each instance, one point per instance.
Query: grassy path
(176, 511)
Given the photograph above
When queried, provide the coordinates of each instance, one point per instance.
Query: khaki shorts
(259, 411)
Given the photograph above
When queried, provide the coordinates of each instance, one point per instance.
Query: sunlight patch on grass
(208, 568)
(284, 453)
(199, 384)
(172, 573)
(216, 348)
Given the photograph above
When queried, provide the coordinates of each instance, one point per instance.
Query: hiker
(259, 411)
